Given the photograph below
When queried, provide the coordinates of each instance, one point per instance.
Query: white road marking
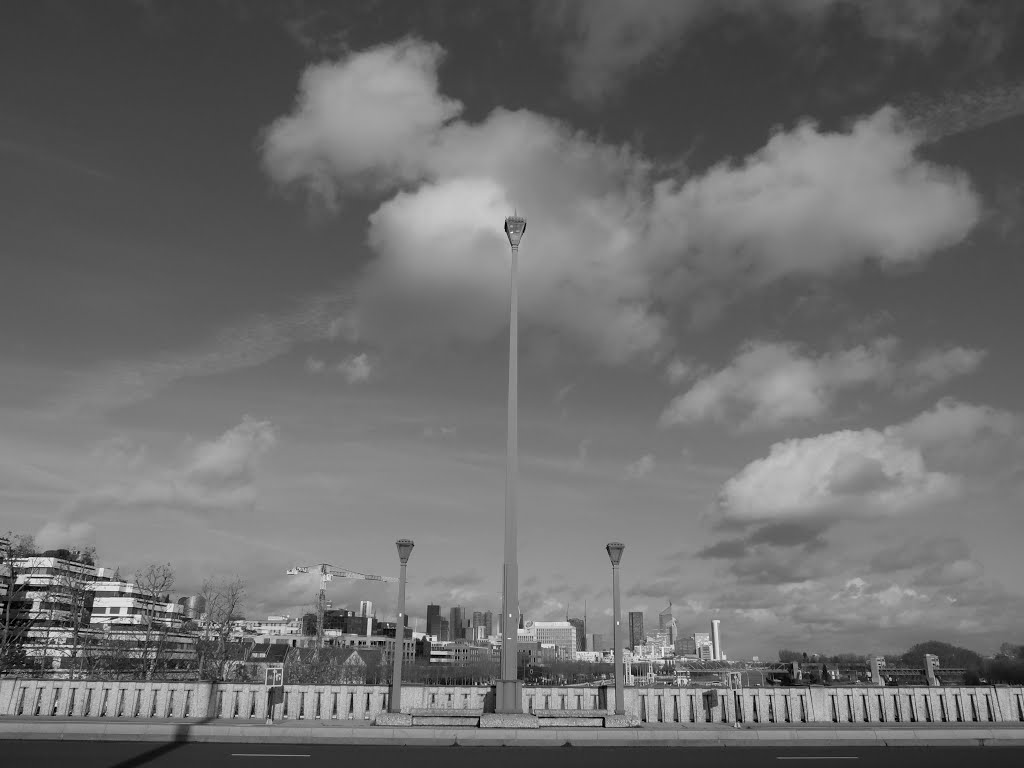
(263, 754)
(821, 757)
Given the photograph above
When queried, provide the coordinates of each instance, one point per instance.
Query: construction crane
(327, 573)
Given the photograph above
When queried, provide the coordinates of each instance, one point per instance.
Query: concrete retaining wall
(200, 700)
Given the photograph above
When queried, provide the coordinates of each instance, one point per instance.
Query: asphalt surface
(136, 755)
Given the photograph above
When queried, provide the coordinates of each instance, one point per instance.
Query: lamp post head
(404, 550)
(615, 552)
(515, 228)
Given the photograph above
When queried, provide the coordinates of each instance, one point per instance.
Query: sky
(254, 306)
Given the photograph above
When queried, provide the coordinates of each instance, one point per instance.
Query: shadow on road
(180, 738)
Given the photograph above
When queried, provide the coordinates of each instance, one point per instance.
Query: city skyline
(254, 306)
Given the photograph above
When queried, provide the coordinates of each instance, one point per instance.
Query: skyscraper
(433, 619)
(366, 608)
(457, 623)
(636, 629)
(667, 624)
(581, 640)
(478, 619)
(443, 632)
(489, 622)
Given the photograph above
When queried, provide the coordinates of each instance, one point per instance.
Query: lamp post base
(508, 697)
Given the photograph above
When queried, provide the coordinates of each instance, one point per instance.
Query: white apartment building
(273, 625)
(122, 602)
(559, 633)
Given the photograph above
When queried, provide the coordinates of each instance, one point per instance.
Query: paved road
(136, 755)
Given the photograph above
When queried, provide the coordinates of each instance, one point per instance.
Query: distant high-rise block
(489, 622)
(636, 629)
(478, 619)
(366, 608)
(685, 646)
(433, 619)
(667, 623)
(443, 632)
(716, 639)
(457, 623)
(581, 640)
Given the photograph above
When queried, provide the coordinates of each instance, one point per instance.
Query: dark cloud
(724, 549)
(773, 566)
(789, 534)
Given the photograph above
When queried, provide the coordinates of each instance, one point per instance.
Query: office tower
(433, 619)
(685, 646)
(366, 608)
(716, 640)
(457, 623)
(443, 631)
(478, 619)
(489, 622)
(521, 623)
(636, 629)
(667, 624)
(581, 640)
(595, 642)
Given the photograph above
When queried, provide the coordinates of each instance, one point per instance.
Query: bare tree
(71, 594)
(224, 598)
(153, 581)
(14, 623)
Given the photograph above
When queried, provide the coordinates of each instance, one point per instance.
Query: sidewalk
(651, 734)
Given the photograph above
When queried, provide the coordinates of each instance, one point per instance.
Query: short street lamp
(395, 703)
(615, 555)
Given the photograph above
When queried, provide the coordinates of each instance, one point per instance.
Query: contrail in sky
(962, 111)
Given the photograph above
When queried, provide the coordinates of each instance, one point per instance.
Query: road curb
(554, 737)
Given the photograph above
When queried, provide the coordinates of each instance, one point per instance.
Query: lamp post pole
(509, 690)
(395, 702)
(615, 555)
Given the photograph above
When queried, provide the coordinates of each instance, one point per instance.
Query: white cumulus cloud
(846, 473)
(356, 368)
(218, 474)
(612, 237)
(641, 467)
(862, 473)
(771, 383)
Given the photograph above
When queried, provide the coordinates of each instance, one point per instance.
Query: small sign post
(275, 679)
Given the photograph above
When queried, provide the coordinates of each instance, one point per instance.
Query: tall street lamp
(509, 690)
(395, 703)
(615, 555)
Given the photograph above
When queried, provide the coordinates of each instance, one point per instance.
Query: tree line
(1007, 666)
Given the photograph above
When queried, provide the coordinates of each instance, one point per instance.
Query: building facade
(456, 624)
(667, 624)
(433, 619)
(558, 633)
(125, 603)
(581, 631)
(636, 629)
